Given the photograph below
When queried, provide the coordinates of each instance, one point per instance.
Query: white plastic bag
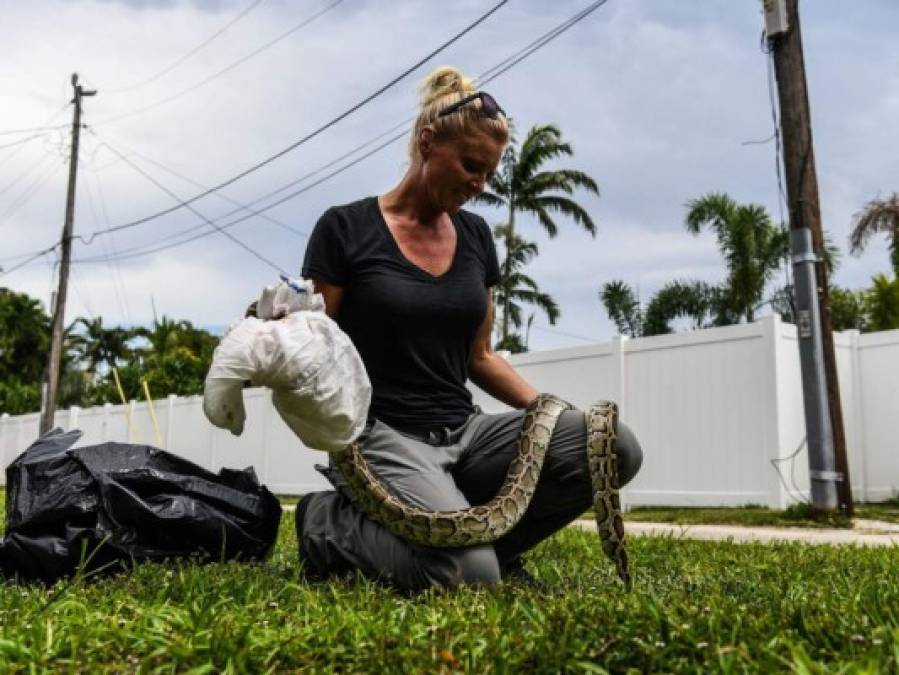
(318, 381)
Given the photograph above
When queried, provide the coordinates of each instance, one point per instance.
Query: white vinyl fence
(719, 414)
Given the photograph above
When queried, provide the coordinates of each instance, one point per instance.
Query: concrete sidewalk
(864, 533)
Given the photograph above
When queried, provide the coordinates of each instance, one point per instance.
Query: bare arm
(492, 373)
(333, 296)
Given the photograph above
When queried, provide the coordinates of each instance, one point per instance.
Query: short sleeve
(488, 251)
(492, 264)
(326, 254)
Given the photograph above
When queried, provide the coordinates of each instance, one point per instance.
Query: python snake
(488, 522)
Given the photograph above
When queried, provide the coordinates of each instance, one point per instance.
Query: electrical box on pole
(776, 21)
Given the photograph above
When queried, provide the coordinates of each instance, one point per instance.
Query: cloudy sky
(659, 98)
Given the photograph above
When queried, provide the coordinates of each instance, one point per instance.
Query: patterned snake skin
(488, 522)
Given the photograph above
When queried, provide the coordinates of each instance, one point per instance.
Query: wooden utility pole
(805, 219)
(48, 409)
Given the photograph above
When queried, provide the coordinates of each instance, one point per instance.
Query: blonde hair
(443, 87)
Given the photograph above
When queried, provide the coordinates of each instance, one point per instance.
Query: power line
(314, 133)
(246, 217)
(23, 140)
(9, 132)
(546, 39)
(24, 174)
(30, 191)
(234, 202)
(50, 119)
(110, 243)
(184, 58)
(497, 70)
(35, 256)
(221, 72)
(174, 196)
(115, 282)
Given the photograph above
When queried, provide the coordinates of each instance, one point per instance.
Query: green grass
(695, 607)
(798, 515)
(887, 511)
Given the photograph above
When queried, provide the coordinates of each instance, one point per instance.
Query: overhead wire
(165, 71)
(109, 244)
(9, 132)
(233, 202)
(494, 72)
(26, 194)
(232, 66)
(27, 172)
(86, 187)
(315, 132)
(197, 213)
(23, 140)
(141, 250)
(21, 144)
(34, 256)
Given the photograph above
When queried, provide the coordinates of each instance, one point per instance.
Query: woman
(408, 276)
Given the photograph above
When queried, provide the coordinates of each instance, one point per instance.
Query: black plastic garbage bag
(104, 506)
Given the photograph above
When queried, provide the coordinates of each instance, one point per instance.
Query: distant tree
(95, 346)
(521, 186)
(516, 288)
(24, 337)
(623, 307)
(696, 300)
(848, 309)
(878, 215)
(752, 246)
(882, 303)
(24, 345)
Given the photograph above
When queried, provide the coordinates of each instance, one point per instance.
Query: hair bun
(442, 82)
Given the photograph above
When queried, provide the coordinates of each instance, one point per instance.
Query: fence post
(132, 417)
(770, 425)
(858, 414)
(169, 425)
(267, 414)
(4, 426)
(73, 417)
(618, 385)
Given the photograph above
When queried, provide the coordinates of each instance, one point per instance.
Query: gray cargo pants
(451, 469)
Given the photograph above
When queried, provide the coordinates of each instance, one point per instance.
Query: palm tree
(878, 215)
(96, 345)
(695, 300)
(520, 186)
(753, 247)
(515, 288)
(882, 303)
(623, 307)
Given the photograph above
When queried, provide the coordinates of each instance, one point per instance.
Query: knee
(449, 568)
(630, 454)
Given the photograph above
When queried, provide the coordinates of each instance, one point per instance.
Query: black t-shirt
(414, 331)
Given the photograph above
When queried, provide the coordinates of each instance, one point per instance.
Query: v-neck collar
(402, 256)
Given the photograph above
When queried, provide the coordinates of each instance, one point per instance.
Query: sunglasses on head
(489, 107)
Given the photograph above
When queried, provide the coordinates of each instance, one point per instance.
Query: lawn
(696, 606)
(798, 515)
